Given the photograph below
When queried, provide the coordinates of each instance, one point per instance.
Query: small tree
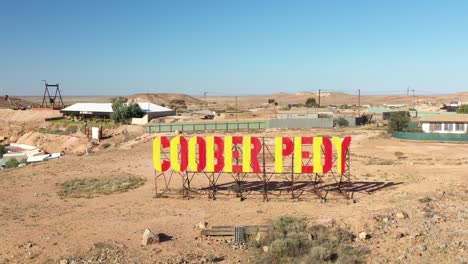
(310, 102)
(118, 101)
(134, 110)
(398, 121)
(463, 109)
(270, 101)
(122, 112)
(341, 121)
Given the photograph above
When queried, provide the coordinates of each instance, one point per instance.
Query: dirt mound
(163, 98)
(15, 102)
(55, 143)
(9, 116)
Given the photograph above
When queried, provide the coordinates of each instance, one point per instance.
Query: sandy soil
(69, 144)
(26, 116)
(36, 225)
(14, 124)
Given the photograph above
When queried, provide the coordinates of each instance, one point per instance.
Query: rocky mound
(15, 103)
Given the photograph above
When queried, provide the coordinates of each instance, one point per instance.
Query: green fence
(412, 125)
(431, 136)
(304, 123)
(204, 126)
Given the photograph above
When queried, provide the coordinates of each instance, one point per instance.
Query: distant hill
(334, 98)
(163, 98)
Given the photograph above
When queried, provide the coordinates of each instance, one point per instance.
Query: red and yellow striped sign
(216, 154)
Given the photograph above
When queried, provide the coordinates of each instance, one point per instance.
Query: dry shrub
(91, 187)
(290, 240)
(379, 161)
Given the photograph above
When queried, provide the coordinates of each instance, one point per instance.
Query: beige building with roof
(455, 124)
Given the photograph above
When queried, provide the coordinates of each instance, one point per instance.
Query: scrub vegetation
(291, 240)
(88, 188)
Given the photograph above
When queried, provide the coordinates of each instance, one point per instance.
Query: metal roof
(107, 107)
(463, 118)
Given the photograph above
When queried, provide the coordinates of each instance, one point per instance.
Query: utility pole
(319, 98)
(359, 102)
(413, 98)
(236, 107)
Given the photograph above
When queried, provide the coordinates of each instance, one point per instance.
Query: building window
(436, 126)
(448, 127)
(459, 127)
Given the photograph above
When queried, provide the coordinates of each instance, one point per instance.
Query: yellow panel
(210, 153)
(157, 154)
(175, 164)
(192, 154)
(317, 145)
(337, 143)
(278, 154)
(228, 153)
(246, 153)
(297, 155)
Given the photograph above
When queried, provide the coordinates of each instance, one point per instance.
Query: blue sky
(233, 47)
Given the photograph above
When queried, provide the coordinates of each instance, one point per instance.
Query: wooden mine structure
(55, 101)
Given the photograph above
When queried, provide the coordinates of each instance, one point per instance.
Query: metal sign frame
(294, 184)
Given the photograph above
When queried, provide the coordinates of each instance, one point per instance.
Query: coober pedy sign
(216, 154)
(309, 155)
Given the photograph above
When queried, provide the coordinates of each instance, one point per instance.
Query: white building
(455, 124)
(104, 110)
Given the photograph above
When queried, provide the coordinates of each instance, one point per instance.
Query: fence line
(431, 136)
(246, 125)
(203, 126)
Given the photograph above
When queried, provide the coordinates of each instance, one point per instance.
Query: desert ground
(411, 198)
(38, 226)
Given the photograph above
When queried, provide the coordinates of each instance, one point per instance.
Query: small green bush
(12, 163)
(290, 240)
(463, 109)
(341, 121)
(71, 130)
(311, 102)
(106, 145)
(425, 200)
